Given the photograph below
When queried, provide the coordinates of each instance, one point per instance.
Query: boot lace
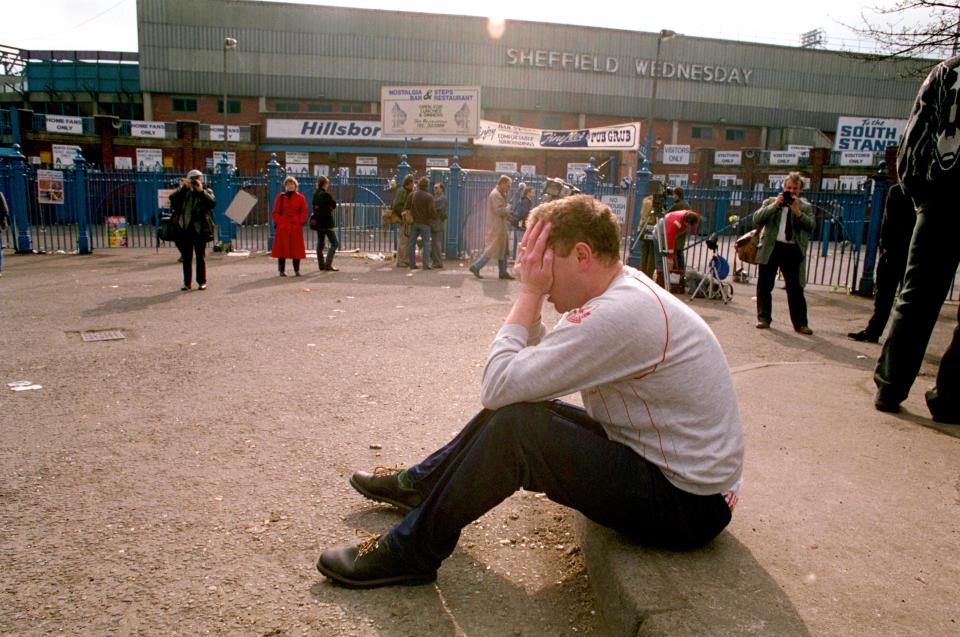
(386, 471)
(368, 544)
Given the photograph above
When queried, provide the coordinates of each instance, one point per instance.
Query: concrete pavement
(849, 519)
(847, 523)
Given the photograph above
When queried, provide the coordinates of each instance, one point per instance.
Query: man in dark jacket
(424, 212)
(929, 171)
(192, 207)
(895, 230)
(436, 227)
(401, 202)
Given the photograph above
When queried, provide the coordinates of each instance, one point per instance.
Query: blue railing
(134, 199)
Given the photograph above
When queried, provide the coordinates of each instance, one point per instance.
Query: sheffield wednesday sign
(611, 64)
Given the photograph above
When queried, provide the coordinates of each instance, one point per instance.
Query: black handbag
(167, 228)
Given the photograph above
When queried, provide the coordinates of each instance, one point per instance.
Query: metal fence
(112, 209)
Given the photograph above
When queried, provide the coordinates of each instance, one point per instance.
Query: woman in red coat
(289, 215)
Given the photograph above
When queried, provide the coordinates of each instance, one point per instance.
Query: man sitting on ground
(647, 456)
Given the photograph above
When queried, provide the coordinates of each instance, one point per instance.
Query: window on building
(233, 106)
(550, 122)
(286, 107)
(734, 134)
(183, 104)
(335, 107)
(702, 132)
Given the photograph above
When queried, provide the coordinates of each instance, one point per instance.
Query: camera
(556, 188)
(787, 198)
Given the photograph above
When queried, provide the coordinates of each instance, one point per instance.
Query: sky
(111, 25)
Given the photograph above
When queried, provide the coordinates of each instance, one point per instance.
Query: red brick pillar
(819, 158)
(107, 127)
(189, 132)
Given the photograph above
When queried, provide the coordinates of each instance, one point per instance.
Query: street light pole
(228, 43)
(665, 34)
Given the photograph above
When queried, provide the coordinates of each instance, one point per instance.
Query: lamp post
(228, 43)
(665, 34)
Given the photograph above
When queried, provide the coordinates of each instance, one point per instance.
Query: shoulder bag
(748, 244)
(167, 228)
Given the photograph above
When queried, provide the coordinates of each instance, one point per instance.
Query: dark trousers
(931, 266)
(326, 235)
(890, 270)
(436, 247)
(787, 258)
(282, 264)
(189, 245)
(555, 449)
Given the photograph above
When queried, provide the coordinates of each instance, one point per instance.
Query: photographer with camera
(192, 207)
(787, 222)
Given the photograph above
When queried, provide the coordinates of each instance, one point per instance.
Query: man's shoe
(184, 287)
(383, 485)
(203, 286)
(506, 276)
(414, 267)
(330, 268)
(885, 405)
(763, 325)
(369, 565)
(940, 412)
(283, 274)
(476, 272)
(803, 329)
(863, 337)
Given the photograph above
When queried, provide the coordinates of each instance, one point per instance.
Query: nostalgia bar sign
(447, 111)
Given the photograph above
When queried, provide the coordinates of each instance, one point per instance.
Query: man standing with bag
(787, 222)
(192, 207)
(423, 211)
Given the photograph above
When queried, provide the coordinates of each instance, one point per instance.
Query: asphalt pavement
(848, 522)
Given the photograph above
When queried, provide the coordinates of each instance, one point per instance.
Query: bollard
(221, 190)
(455, 210)
(80, 201)
(273, 184)
(641, 186)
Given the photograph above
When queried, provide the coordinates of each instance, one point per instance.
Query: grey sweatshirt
(647, 367)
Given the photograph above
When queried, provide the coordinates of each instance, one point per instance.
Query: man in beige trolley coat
(498, 223)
